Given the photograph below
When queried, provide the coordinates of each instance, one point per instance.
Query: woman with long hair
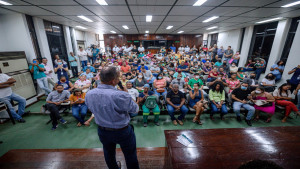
(196, 102)
(283, 97)
(217, 98)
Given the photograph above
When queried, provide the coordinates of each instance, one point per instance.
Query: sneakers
(175, 122)
(62, 121)
(238, 118)
(248, 122)
(21, 121)
(54, 127)
(145, 124)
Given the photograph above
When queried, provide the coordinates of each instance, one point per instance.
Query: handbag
(230, 61)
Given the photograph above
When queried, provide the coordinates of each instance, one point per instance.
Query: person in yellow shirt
(78, 105)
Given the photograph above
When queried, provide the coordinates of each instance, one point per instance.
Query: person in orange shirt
(78, 105)
(125, 68)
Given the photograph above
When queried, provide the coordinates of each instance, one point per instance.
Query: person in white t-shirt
(7, 95)
(89, 54)
(187, 49)
(141, 49)
(134, 93)
(116, 49)
(82, 56)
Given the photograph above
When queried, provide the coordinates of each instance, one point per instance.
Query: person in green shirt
(141, 55)
(196, 79)
(219, 63)
(217, 98)
(38, 73)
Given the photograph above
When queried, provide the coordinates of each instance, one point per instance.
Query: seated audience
(89, 75)
(134, 93)
(183, 75)
(233, 68)
(148, 101)
(217, 98)
(175, 102)
(155, 70)
(249, 66)
(283, 97)
(147, 75)
(83, 84)
(264, 102)
(125, 69)
(213, 74)
(240, 99)
(61, 69)
(240, 73)
(66, 84)
(53, 104)
(180, 82)
(78, 105)
(268, 82)
(123, 79)
(196, 102)
(259, 66)
(295, 79)
(139, 82)
(233, 82)
(277, 70)
(89, 66)
(297, 93)
(253, 84)
(194, 80)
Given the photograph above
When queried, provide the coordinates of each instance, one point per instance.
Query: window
(289, 39)
(33, 37)
(214, 39)
(262, 41)
(56, 40)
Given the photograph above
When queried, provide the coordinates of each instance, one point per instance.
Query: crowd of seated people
(189, 79)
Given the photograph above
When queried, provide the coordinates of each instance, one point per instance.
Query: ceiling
(181, 14)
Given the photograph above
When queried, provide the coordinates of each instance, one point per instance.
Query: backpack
(150, 102)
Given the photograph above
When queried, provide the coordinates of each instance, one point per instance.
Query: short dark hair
(44, 58)
(60, 85)
(109, 73)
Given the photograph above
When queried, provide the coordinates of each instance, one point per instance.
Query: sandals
(195, 119)
(268, 120)
(199, 122)
(256, 119)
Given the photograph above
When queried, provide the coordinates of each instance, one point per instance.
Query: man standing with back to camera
(111, 108)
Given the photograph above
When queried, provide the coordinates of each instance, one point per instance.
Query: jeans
(74, 71)
(50, 81)
(248, 69)
(126, 139)
(151, 80)
(82, 108)
(258, 71)
(54, 112)
(90, 59)
(278, 77)
(94, 59)
(83, 63)
(171, 111)
(161, 94)
(214, 109)
(43, 84)
(237, 107)
(227, 59)
(298, 97)
(21, 105)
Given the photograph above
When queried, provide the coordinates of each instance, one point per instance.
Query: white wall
(15, 35)
(79, 35)
(246, 45)
(293, 58)
(90, 38)
(230, 38)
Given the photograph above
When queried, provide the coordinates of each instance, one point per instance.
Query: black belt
(111, 129)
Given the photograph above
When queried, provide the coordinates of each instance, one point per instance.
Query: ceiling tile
(284, 2)
(189, 10)
(148, 23)
(16, 2)
(227, 11)
(248, 3)
(265, 12)
(180, 19)
(109, 2)
(30, 10)
(151, 2)
(149, 10)
(68, 10)
(240, 19)
(109, 10)
(207, 3)
(117, 18)
(201, 19)
(289, 14)
(92, 17)
(155, 18)
(52, 2)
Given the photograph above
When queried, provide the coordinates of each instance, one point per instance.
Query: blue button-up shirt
(110, 106)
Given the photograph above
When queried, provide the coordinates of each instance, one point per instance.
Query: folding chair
(3, 106)
(63, 109)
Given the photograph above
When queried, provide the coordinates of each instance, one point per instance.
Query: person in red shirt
(213, 75)
(125, 68)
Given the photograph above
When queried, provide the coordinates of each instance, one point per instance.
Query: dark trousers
(54, 112)
(126, 139)
(74, 71)
(258, 71)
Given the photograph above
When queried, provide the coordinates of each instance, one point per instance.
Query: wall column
(246, 45)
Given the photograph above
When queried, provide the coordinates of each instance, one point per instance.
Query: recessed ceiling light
(125, 27)
(113, 32)
(180, 31)
(169, 27)
(148, 18)
(101, 2)
(210, 19)
(291, 4)
(85, 18)
(210, 28)
(146, 31)
(56, 27)
(199, 2)
(4, 3)
(81, 27)
(213, 32)
(270, 20)
(198, 36)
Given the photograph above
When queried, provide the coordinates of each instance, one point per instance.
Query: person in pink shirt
(233, 82)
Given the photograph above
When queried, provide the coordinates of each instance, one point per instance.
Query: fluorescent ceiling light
(113, 32)
(210, 19)
(148, 18)
(5, 3)
(169, 27)
(146, 31)
(56, 27)
(210, 28)
(81, 27)
(291, 4)
(213, 32)
(125, 27)
(180, 31)
(101, 2)
(198, 36)
(85, 18)
(199, 2)
(270, 20)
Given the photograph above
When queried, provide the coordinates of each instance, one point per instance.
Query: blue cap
(147, 85)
